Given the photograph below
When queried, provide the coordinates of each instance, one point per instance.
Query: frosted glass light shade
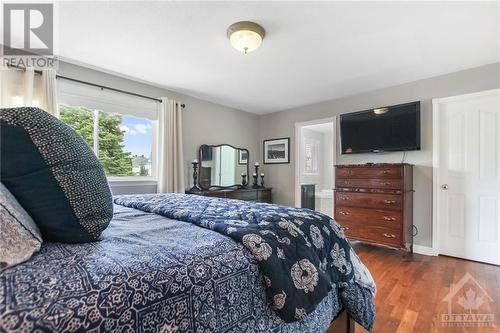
(380, 111)
(245, 36)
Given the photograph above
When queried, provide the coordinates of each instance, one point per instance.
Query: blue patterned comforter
(149, 274)
(302, 254)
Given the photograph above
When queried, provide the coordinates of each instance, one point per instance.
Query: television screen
(392, 128)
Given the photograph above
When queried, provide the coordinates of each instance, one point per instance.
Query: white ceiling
(313, 51)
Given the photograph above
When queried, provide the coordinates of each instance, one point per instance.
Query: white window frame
(74, 94)
(315, 146)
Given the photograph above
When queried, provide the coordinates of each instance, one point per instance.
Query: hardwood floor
(410, 291)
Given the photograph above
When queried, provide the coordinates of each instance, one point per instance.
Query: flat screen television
(391, 128)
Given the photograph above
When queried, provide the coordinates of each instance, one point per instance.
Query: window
(311, 156)
(120, 130)
(138, 140)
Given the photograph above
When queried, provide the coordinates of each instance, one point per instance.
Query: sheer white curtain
(24, 88)
(170, 157)
(18, 87)
(49, 92)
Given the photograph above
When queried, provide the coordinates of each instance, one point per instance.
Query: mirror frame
(218, 187)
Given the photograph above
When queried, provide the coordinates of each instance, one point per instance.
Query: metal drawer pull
(386, 183)
(389, 218)
(343, 213)
(344, 198)
(390, 201)
(345, 228)
(385, 172)
(389, 235)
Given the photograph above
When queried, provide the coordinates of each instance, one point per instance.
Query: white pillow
(20, 235)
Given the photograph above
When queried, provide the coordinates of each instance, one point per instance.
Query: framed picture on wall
(242, 157)
(277, 151)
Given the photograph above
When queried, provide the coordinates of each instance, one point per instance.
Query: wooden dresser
(260, 194)
(374, 203)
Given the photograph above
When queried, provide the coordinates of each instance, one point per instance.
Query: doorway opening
(315, 149)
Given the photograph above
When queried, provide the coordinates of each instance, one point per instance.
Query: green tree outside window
(115, 160)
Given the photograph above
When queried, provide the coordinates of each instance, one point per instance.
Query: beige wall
(282, 124)
(203, 122)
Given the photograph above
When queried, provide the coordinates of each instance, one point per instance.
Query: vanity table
(221, 170)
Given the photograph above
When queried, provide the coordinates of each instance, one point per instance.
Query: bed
(152, 273)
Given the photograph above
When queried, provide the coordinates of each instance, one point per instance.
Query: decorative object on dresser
(195, 187)
(374, 203)
(277, 151)
(256, 175)
(255, 181)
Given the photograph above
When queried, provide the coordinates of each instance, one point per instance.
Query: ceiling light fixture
(245, 36)
(380, 111)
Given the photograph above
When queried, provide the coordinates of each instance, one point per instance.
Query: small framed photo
(242, 157)
(277, 151)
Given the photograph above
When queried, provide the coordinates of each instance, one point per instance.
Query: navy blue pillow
(54, 175)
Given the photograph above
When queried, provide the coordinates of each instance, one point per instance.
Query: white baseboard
(425, 250)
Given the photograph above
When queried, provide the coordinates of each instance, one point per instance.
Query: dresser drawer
(369, 200)
(265, 196)
(386, 184)
(214, 194)
(243, 195)
(342, 173)
(373, 233)
(370, 172)
(368, 216)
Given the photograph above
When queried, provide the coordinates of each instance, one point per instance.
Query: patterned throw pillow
(54, 175)
(20, 235)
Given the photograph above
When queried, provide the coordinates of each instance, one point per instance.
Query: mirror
(222, 166)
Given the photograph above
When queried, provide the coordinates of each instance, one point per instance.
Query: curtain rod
(96, 85)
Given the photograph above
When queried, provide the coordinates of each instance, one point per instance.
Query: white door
(467, 184)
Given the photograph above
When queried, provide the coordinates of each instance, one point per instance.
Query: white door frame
(436, 183)
(298, 145)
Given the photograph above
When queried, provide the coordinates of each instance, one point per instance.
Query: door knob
(444, 186)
